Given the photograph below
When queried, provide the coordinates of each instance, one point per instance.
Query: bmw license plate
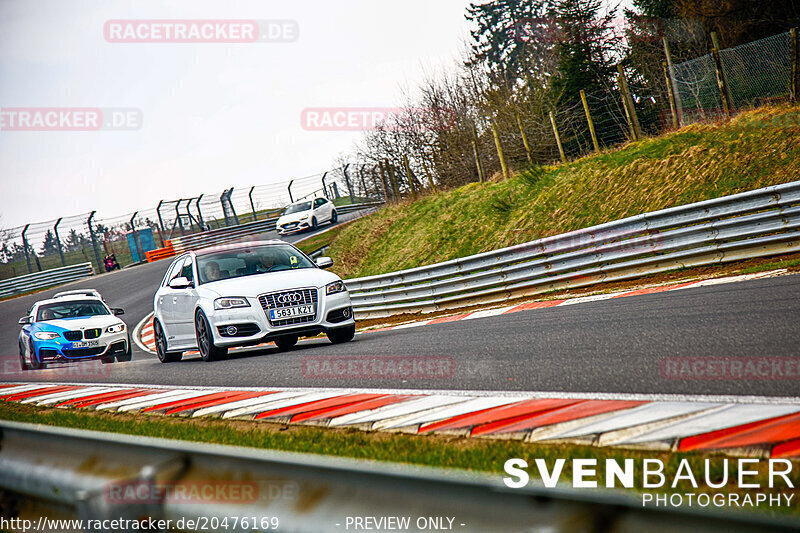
(291, 312)
(85, 344)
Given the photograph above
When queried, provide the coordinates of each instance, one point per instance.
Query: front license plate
(85, 344)
(291, 312)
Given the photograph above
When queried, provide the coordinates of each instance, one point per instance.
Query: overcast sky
(214, 114)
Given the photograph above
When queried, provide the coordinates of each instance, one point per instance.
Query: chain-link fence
(126, 238)
(753, 74)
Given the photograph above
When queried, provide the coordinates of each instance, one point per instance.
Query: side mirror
(25, 320)
(180, 283)
(324, 262)
(117, 311)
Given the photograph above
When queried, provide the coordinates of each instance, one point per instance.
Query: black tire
(286, 342)
(161, 345)
(314, 224)
(128, 355)
(22, 362)
(35, 363)
(205, 339)
(334, 217)
(340, 335)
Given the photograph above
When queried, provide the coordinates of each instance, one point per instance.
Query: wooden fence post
(721, 79)
(673, 105)
(558, 138)
(410, 177)
(524, 139)
(795, 53)
(676, 121)
(500, 154)
(627, 100)
(590, 121)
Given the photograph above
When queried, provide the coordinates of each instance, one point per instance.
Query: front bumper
(330, 314)
(289, 228)
(60, 350)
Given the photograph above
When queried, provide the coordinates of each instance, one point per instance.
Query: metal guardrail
(44, 279)
(233, 233)
(751, 224)
(103, 476)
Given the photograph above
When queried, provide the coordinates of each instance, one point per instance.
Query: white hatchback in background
(245, 294)
(306, 214)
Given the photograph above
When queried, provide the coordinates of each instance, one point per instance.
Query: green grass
(318, 241)
(478, 455)
(699, 162)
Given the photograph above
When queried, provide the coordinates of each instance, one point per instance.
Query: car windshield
(72, 309)
(297, 208)
(249, 261)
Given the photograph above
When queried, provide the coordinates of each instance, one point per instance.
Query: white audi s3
(246, 294)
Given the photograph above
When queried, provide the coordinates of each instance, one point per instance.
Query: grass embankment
(479, 455)
(696, 163)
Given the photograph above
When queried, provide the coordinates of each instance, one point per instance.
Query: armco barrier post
(58, 242)
(26, 246)
(94, 242)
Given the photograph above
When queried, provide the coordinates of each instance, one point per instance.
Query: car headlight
(336, 286)
(46, 335)
(230, 303)
(116, 328)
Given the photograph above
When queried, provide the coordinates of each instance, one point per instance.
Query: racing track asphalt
(611, 346)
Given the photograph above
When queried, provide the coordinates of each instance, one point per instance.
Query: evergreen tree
(50, 245)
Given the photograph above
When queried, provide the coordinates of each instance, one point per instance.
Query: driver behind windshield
(266, 263)
(211, 271)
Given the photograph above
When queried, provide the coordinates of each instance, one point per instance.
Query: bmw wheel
(205, 339)
(161, 345)
(340, 335)
(22, 362)
(128, 353)
(35, 364)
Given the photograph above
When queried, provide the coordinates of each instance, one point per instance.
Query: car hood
(257, 284)
(68, 324)
(294, 217)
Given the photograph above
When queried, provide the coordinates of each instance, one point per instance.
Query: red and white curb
(738, 426)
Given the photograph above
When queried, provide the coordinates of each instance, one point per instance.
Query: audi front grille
(278, 300)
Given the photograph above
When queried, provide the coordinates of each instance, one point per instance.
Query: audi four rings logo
(289, 298)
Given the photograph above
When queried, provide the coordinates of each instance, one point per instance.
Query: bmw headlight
(336, 286)
(230, 303)
(46, 335)
(116, 328)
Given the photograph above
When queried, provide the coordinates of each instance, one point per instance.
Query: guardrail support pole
(58, 242)
(25, 247)
(94, 242)
(252, 205)
(558, 138)
(590, 121)
(160, 223)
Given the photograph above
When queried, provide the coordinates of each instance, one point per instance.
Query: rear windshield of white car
(297, 208)
(247, 262)
(73, 309)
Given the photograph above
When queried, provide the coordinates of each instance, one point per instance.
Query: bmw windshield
(73, 309)
(249, 261)
(297, 208)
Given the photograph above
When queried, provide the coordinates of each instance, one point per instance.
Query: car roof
(69, 298)
(78, 292)
(237, 246)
